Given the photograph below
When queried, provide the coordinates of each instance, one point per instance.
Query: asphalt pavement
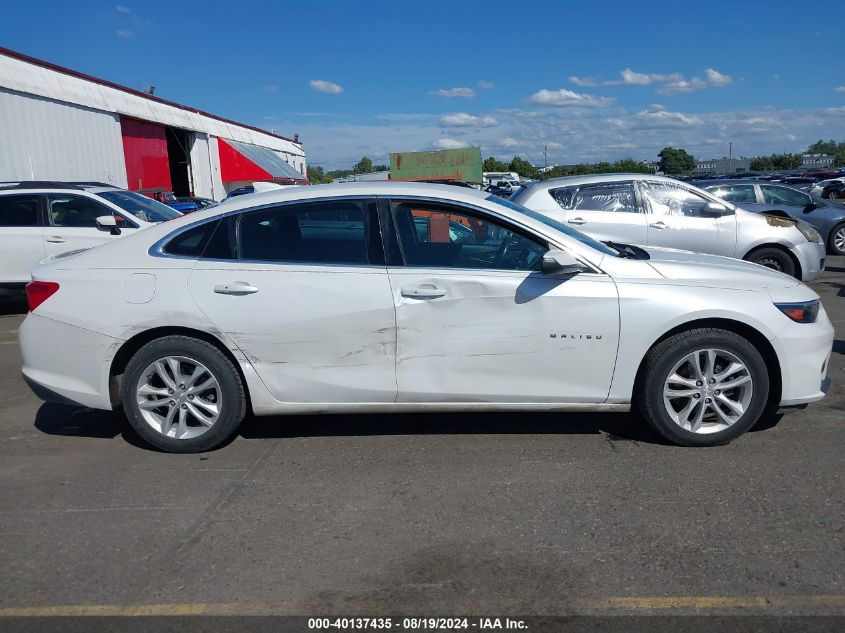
(532, 514)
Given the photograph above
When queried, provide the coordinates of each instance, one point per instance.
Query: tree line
(674, 161)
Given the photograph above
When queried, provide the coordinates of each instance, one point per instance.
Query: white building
(59, 124)
(816, 161)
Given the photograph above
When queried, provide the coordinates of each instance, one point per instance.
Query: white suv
(39, 219)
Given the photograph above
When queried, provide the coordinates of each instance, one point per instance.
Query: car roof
(568, 181)
(367, 188)
(25, 185)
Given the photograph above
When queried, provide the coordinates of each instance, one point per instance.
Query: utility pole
(545, 157)
(730, 158)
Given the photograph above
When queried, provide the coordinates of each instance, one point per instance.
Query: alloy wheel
(179, 397)
(707, 391)
(839, 240)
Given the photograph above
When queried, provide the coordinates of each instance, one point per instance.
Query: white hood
(714, 269)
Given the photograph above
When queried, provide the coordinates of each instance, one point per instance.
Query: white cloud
(509, 142)
(122, 9)
(321, 85)
(124, 33)
(659, 117)
(462, 119)
(564, 97)
(631, 77)
(840, 89)
(835, 111)
(270, 87)
(485, 85)
(712, 79)
(583, 81)
(449, 143)
(466, 93)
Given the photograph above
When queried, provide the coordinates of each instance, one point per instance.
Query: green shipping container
(447, 164)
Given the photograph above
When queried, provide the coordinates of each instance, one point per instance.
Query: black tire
(834, 194)
(660, 360)
(232, 393)
(774, 258)
(831, 240)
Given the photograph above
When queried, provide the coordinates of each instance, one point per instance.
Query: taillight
(37, 292)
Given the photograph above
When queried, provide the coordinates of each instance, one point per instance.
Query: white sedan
(385, 297)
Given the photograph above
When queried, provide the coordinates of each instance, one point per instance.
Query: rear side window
(19, 211)
(609, 196)
(785, 196)
(331, 232)
(209, 240)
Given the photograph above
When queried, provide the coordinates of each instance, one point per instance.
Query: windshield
(141, 207)
(557, 226)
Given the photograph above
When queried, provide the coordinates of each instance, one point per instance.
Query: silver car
(651, 210)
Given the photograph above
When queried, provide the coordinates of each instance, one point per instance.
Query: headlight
(804, 312)
(809, 232)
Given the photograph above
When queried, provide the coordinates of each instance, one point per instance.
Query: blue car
(778, 199)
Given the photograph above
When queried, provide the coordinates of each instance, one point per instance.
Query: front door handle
(56, 239)
(659, 225)
(576, 221)
(236, 288)
(425, 291)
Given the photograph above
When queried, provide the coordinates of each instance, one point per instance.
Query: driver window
(77, 211)
(445, 237)
(668, 199)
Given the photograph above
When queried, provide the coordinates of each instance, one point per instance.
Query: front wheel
(183, 395)
(836, 241)
(774, 258)
(834, 194)
(704, 387)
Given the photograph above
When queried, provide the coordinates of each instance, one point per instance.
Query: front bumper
(811, 256)
(804, 351)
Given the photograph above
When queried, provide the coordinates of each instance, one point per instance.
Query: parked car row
(651, 211)
(376, 297)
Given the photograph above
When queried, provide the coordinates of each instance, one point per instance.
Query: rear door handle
(576, 221)
(659, 225)
(56, 239)
(236, 288)
(424, 291)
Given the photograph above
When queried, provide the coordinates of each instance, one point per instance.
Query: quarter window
(610, 196)
(19, 211)
(784, 196)
(332, 232)
(446, 237)
(668, 199)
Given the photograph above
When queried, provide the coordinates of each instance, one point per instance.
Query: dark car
(833, 189)
(169, 198)
(240, 191)
(201, 203)
(778, 199)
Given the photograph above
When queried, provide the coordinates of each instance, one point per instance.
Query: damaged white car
(386, 297)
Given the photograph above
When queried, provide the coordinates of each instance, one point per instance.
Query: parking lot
(443, 514)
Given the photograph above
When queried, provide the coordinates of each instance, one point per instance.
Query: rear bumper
(64, 363)
(811, 257)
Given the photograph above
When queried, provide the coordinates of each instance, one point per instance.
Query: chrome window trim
(157, 248)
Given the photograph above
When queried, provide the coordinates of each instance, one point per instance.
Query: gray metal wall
(44, 139)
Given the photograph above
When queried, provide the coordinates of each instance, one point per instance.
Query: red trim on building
(103, 82)
(235, 167)
(145, 153)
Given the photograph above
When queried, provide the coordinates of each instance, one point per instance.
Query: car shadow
(12, 305)
(72, 421)
(839, 347)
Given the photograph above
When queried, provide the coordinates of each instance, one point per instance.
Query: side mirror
(108, 223)
(560, 262)
(714, 210)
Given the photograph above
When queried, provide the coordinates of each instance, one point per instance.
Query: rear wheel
(183, 395)
(836, 241)
(834, 194)
(774, 258)
(703, 387)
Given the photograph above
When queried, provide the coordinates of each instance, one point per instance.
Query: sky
(552, 82)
